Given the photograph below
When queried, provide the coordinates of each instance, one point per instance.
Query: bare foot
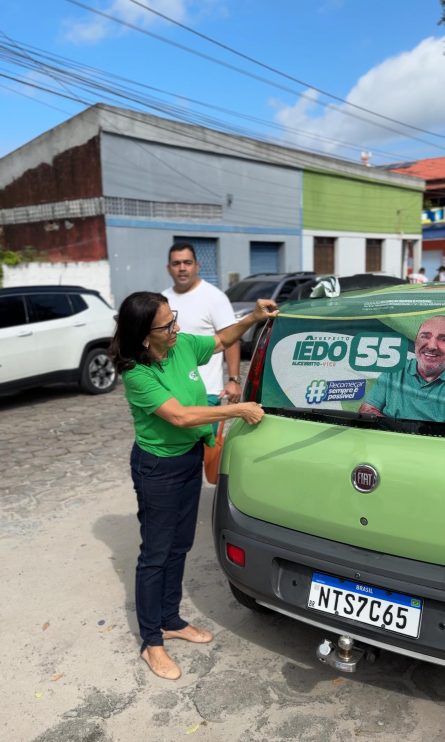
(190, 634)
(161, 663)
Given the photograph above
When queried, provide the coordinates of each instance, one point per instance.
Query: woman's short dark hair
(134, 322)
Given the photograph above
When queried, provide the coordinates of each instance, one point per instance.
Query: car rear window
(251, 290)
(12, 311)
(372, 355)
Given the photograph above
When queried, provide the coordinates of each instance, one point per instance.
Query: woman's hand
(265, 308)
(250, 412)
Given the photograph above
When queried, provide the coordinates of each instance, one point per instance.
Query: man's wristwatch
(236, 379)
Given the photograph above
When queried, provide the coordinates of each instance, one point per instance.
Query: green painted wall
(342, 203)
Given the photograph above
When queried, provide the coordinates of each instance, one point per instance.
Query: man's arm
(232, 390)
(369, 409)
(376, 399)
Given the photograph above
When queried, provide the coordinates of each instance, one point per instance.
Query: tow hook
(344, 657)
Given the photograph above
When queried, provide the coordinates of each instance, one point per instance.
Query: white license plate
(366, 603)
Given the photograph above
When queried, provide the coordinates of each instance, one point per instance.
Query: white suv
(55, 334)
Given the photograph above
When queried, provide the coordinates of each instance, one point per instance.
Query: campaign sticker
(334, 391)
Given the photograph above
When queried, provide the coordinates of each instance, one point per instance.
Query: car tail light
(236, 555)
(252, 389)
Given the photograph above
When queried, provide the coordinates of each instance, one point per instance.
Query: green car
(332, 509)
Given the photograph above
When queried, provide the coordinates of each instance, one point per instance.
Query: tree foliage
(442, 5)
(15, 257)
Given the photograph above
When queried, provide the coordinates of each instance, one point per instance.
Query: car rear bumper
(279, 563)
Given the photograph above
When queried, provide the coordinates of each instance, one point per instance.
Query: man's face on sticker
(430, 348)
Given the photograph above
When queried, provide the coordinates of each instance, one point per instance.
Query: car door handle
(79, 324)
(24, 334)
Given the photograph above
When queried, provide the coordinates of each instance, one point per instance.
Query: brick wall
(62, 239)
(75, 173)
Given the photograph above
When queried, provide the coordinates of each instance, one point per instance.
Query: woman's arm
(189, 417)
(265, 308)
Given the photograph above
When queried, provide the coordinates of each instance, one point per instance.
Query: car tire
(98, 374)
(247, 601)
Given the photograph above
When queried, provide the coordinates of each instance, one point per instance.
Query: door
(17, 341)
(324, 255)
(57, 340)
(373, 255)
(265, 257)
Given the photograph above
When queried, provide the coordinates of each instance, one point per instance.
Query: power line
(276, 71)
(26, 60)
(104, 74)
(30, 97)
(252, 75)
(287, 159)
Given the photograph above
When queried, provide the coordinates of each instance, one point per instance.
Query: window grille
(80, 207)
(162, 209)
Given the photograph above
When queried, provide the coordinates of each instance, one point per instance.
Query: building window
(324, 254)
(373, 255)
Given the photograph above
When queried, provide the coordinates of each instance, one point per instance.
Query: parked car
(55, 334)
(284, 286)
(244, 293)
(331, 510)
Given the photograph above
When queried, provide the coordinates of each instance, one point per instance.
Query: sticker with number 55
(378, 352)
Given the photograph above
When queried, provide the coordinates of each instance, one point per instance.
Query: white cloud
(331, 6)
(95, 27)
(407, 87)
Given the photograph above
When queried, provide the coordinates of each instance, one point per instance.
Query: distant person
(204, 310)
(167, 398)
(417, 391)
(440, 275)
(419, 277)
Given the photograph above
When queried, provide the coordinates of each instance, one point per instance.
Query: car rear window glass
(12, 311)
(44, 307)
(78, 303)
(286, 290)
(251, 290)
(376, 354)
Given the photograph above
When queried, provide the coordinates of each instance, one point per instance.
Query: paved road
(70, 667)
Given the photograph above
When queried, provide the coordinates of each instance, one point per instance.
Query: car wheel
(98, 373)
(247, 601)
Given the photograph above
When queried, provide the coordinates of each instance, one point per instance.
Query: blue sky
(384, 55)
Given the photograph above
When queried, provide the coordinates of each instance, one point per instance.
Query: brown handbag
(212, 456)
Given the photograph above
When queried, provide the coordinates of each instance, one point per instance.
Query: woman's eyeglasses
(171, 325)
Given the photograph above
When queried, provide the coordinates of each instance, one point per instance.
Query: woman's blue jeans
(168, 490)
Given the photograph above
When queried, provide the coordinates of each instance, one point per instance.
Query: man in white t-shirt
(203, 309)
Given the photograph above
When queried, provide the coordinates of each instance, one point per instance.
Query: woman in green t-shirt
(168, 403)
